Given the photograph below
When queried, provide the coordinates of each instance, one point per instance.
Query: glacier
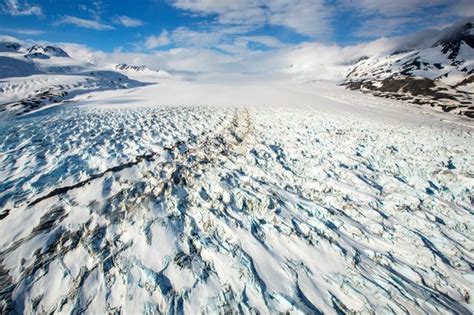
(199, 197)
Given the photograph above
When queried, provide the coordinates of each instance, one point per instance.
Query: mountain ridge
(440, 76)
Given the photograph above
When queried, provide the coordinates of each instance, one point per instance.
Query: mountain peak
(51, 51)
(124, 66)
(453, 38)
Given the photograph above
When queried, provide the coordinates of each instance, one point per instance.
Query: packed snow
(200, 197)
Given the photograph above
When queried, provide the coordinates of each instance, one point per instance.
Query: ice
(144, 200)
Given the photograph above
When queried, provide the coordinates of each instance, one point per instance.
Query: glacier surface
(339, 203)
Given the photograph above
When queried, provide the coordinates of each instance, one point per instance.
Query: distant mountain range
(40, 76)
(440, 75)
(123, 67)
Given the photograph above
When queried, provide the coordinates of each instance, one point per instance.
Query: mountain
(9, 47)
(126, 67)
(38, 76)
(440, 75)
(131, 69)
(50, 51)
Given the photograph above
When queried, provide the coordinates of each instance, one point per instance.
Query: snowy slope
(39, 76)
(441, 75)
(317, 200)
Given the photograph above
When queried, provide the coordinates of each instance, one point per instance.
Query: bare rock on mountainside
(36, 55)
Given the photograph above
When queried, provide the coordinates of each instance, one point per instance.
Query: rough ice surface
(355, 205)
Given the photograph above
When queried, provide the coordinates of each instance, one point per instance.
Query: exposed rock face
(420, 91)
(37, 55)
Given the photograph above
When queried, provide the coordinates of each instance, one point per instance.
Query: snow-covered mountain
(9, 47)
(126, 67)
(48, 51)
(440, 75)
(38, 76)
(134, 69)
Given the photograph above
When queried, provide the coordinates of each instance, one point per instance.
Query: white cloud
(227, 11)
(387, 17)
(229, 40)
(316, 18)
(391, 8)
(22, 31)
(153, 41)
(95, 10)
(268, 41)
(67, 19)
(183, 36)
(307, 61)
(386, 26)
(128, 21)
(307, 17)
(312, 60)
(7, 38)
(463, 8)
(13, 7)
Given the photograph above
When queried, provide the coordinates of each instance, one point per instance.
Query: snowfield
(197, 197)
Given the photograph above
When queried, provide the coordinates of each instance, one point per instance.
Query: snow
(9, 67)
(199, 196)
(132, 190)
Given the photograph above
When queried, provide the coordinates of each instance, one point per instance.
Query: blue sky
(224, 25)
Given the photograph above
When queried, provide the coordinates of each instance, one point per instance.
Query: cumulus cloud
(312, 59)
(84, 23)
(22, 31)
(228, 40)
(392, 8)
(307, 17)
(316, 18)
(386, 26)
(153, 41)
(386, 17)
(95, 9)
(14, 7)
(227, 11)
(463, 8)
(128, 21)
(184, 36)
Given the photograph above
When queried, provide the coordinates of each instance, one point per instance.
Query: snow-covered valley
(195, 197)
